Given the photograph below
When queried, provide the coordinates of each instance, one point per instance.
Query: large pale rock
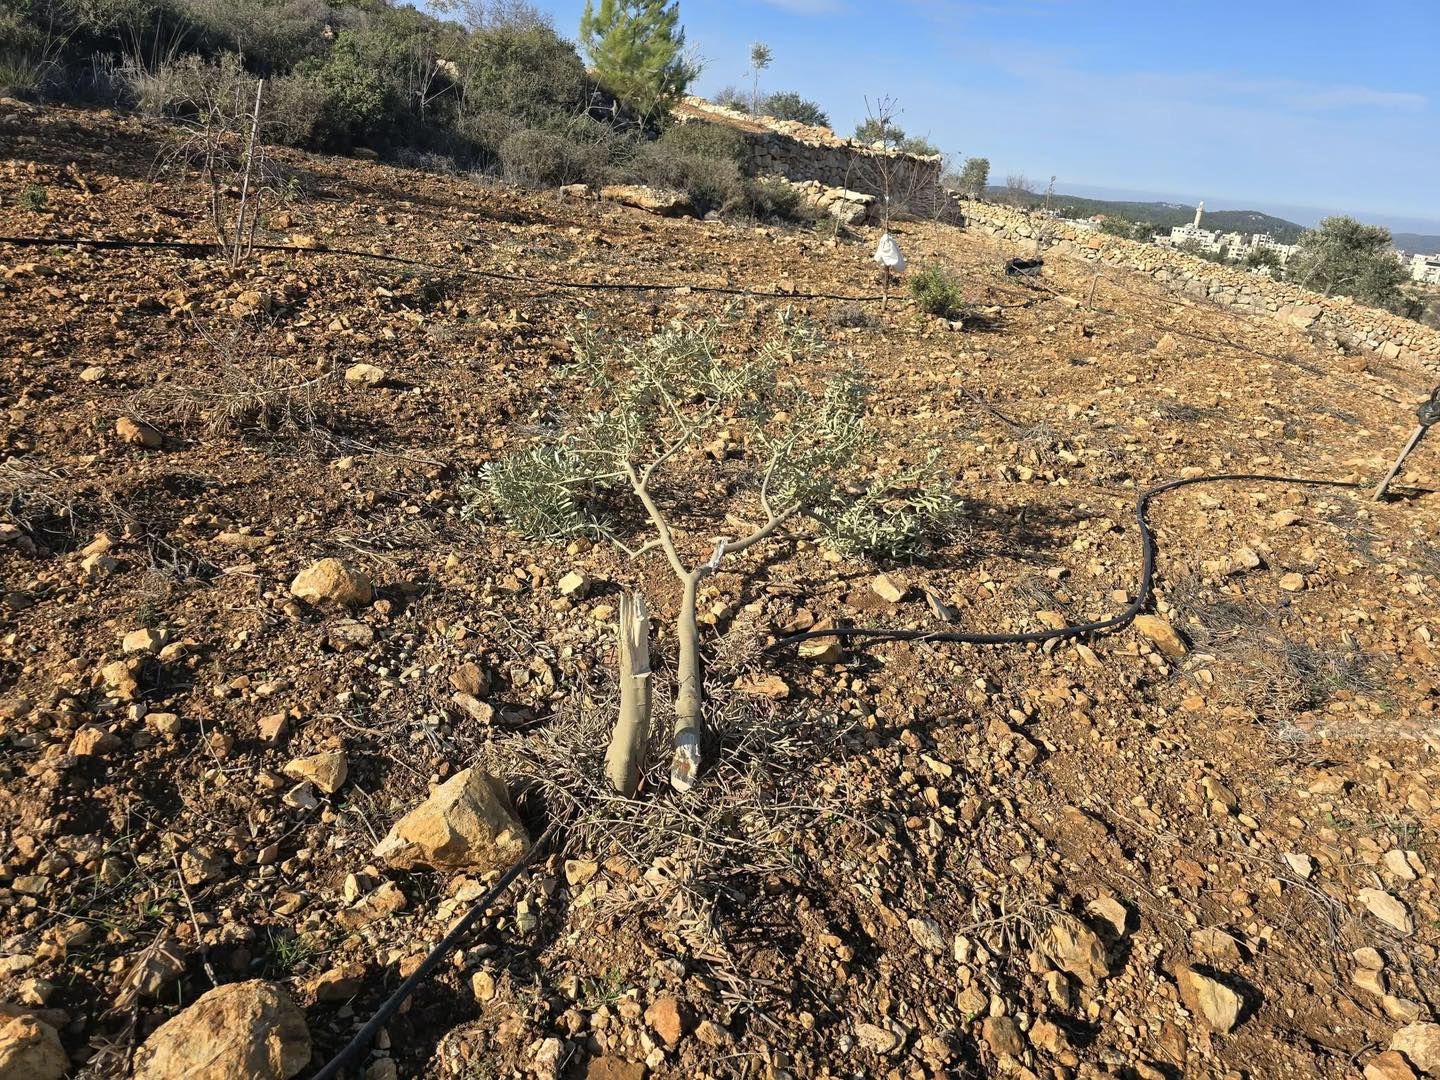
(1420, 1043)
(242, 1031)
(1161, 634)
(326, 771)
(1078, 950)
(332, 579)
(30, 1050)
(651, 200)
(467, 823)
(1212, 1000)
(1387, 909)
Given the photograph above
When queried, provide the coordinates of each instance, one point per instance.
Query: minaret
(1198, 211)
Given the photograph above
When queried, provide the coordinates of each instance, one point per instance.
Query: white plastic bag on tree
(887, 254)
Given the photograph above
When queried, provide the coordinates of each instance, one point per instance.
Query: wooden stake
(1415, 437)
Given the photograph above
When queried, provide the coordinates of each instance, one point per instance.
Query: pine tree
(637, 49)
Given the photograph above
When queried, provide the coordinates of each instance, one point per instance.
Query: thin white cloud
(808, 7)
(1355, 97)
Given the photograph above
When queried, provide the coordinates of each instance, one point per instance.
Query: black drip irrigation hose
(875, 636)
(366, 1035)
(210, 247)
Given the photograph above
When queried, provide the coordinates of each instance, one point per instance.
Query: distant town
(1235, 246)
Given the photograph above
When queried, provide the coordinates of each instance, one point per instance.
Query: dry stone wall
(800, 153)
(1393, 337)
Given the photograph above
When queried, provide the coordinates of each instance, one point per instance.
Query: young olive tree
(657, 407)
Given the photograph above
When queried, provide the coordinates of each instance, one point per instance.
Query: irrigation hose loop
(366, 1035)
(210, 247)
(1429, 411)
(1100, 626)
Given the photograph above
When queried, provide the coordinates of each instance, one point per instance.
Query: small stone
(1002, 1035)
(1212, 1000)
(30, 1049)
(338, 984)
(876, 1039)
(1398, 864)
(578, 872)
(365, 374)
(1420, 1043)
(334, 580)
(668, 1019)
(1387, 909)
(1162, 635)
(326, 771)
(467, 823)
(241, 1031)
(1293, 582)
(1391, 1065)
(1079, 951)
(473, 707)
(767, 686)
(574, 584)
(1302, 865)
(927, 935)
(138, 434)
(93, 741)
(144, 640)
(888, 589)
(469, 679)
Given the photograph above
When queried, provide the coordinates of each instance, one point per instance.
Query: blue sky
(1298, 108)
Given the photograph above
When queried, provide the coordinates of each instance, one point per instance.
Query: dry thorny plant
(248, 388)
(1273, 672)
(218, 138)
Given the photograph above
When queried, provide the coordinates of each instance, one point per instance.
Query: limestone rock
(144, 640)
(93, 741)
(1391, 1065)
(1002, 1035)
(137, 434)
(240, 1031)
(1079, 951)
(651, 200)
(888, 589)
(1420, 1043)
(365, 374)
(668, 1019)
(876, 1039)
(326, 771)
(1210, 999)
(467, 823)
(1387, 909)
(332, 579)
(1162, 635)
(30, 1050)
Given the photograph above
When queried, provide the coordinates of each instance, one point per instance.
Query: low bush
(937, 291)
(538, 158)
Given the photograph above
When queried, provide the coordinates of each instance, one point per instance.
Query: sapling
(657, 409)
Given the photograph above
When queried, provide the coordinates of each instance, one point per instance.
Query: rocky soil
(275, 707)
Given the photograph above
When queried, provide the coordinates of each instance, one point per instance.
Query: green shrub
(293, 110)
(537, 158)
(35, 198)
(787, 105)
(773, 198)
(937, 291)
(526, 72)
(707, 140)
(272, 35)
(712, 183)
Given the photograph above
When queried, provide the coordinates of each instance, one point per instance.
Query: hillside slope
(1204, 851)
(1163, 215)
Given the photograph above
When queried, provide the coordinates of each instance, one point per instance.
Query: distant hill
(1417, 243)
(1164, 215)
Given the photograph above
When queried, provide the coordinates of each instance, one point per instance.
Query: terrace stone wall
(1392, 336)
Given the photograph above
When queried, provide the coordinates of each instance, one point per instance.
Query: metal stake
(1428, 414)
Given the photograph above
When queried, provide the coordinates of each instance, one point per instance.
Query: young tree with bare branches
(659, 405)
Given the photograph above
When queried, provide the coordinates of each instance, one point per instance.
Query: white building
(1425, 269)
